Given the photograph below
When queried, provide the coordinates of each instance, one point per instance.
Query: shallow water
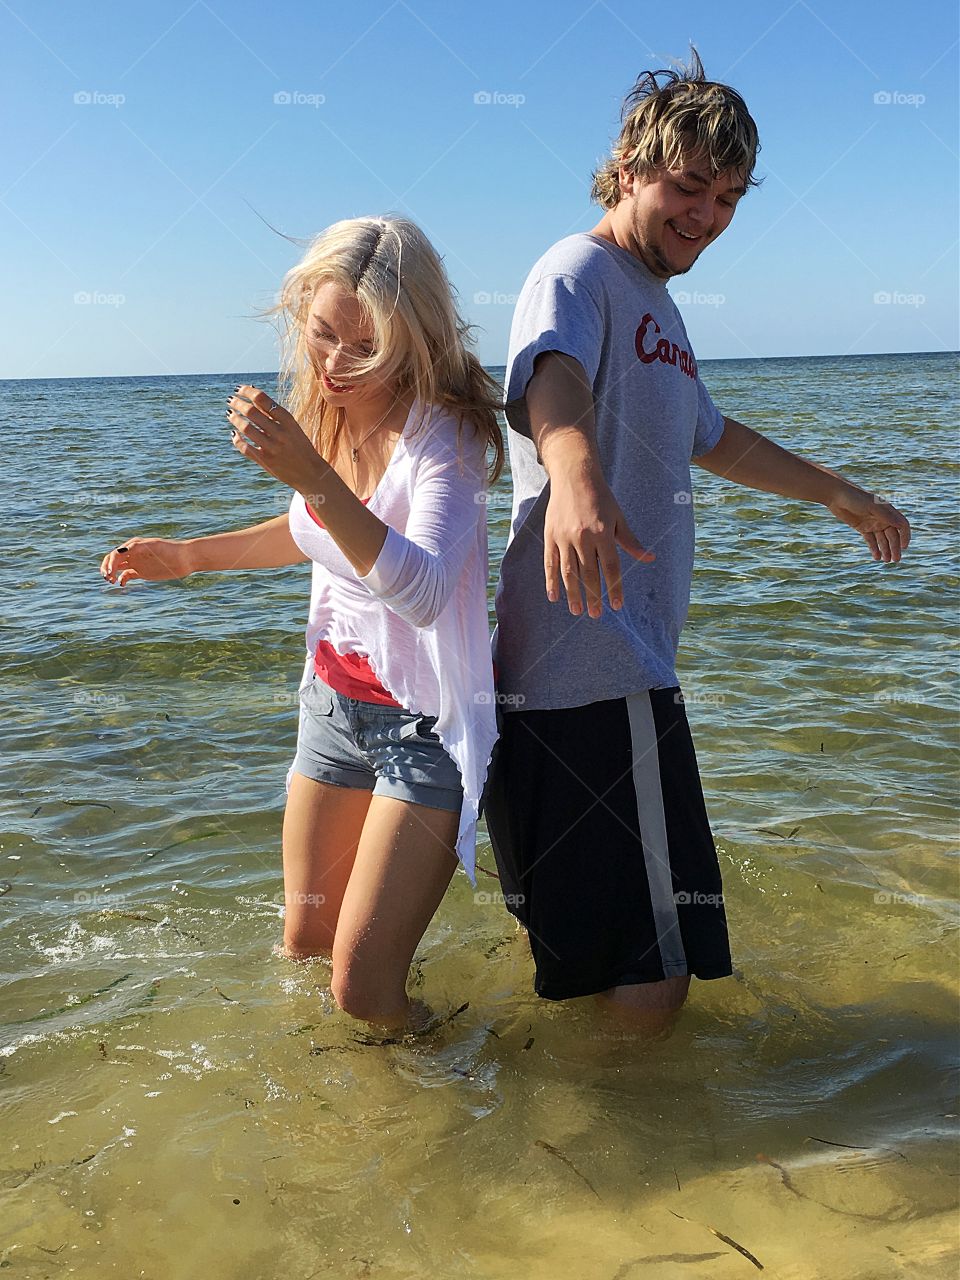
(178, 1101)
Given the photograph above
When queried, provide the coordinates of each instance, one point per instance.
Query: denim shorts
(387, 750)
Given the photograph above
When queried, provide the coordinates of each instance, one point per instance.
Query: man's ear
(626, 179)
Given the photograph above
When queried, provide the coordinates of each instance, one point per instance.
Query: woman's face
(337, 336)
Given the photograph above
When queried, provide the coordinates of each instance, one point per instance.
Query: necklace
(355, 448)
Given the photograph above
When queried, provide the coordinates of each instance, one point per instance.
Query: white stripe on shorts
(653, 832)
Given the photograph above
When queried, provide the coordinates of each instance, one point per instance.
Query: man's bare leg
(650, 1007)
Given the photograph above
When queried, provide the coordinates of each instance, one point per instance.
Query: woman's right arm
(263, 546)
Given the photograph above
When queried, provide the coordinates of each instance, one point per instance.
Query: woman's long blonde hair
(420, 342)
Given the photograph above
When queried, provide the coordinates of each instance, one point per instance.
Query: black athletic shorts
(600, 832)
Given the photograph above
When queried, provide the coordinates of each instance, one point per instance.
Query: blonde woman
(384, 442)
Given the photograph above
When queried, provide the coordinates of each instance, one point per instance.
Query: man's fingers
(610, 568)
(590, 577)
(570, 572)
(892, 536)
(871, 541)
(632, 547)
(551, 570)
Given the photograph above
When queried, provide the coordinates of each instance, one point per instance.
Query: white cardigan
(420, 614)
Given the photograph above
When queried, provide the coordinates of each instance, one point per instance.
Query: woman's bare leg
(322, 825)
(403, 865)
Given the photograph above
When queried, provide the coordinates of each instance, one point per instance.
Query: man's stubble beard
(650, 253)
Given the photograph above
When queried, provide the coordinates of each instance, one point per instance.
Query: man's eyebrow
(690, 175)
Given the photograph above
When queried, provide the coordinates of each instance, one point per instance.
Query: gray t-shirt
(589, 299)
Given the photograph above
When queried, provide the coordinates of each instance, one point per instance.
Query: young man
(593, 802)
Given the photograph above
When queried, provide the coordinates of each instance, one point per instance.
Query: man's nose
(702, 211)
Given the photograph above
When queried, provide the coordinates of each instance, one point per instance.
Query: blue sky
(130, 245)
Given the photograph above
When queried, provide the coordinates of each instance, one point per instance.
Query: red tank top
(348, 673)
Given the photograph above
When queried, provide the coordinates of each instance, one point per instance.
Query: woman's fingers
(245, 428)
(114, 560)
(153, 559)
(262, 402)
(249, 404)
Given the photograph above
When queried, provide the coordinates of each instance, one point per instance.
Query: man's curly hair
(666, 124)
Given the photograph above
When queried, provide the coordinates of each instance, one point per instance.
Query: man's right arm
(583, 524)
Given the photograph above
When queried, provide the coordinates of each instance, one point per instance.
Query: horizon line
(212, 373)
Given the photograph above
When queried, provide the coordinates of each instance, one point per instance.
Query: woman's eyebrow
(360, 342)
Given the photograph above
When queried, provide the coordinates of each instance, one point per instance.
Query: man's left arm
(746, 457)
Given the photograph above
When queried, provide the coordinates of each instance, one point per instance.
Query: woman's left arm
(416, 571)
(413, 573)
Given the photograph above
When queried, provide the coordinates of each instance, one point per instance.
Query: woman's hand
(153, 559)
(273, 438)
(884, 529)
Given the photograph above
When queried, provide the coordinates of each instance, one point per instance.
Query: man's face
(673, 214)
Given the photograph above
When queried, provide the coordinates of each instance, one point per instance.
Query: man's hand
(749, 458)
(583, 523)
(884, 529)
(582, 529)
